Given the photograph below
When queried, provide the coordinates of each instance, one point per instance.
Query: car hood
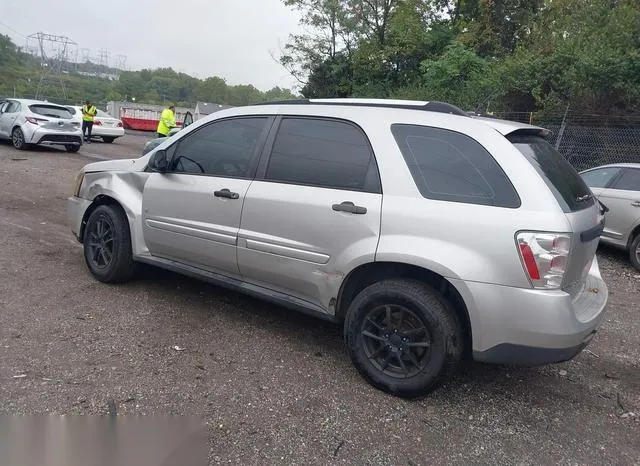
(110, 165)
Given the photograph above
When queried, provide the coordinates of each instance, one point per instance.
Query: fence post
(562, 126)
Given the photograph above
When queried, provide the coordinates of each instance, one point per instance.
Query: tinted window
(599, 178)
(562, 179)
(223, 148)
(326, 153)
(629, 181)
(450, 166)
(51, 111)
(12, 107)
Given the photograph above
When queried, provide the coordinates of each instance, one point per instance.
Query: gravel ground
(276, 387)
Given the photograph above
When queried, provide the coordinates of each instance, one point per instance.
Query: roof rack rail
(432, 106)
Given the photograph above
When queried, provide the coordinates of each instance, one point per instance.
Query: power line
(11, 29)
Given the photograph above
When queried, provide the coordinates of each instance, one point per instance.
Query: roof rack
(432, 106)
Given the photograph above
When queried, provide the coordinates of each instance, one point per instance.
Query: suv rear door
(313, 212)
(192, 214)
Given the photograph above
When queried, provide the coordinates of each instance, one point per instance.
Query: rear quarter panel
(458, 240)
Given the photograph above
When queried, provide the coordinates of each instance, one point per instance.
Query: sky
(232, 39)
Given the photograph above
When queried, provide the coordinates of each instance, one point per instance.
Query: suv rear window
(50, 111)
(451, 166)
(564, 181)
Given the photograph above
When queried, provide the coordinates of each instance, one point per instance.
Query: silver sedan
(618, 187)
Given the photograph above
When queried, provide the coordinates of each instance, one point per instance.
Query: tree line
(482, 55)
(20, 75)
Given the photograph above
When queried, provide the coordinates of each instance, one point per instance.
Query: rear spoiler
(540, 132)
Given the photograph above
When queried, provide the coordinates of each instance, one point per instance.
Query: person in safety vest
(167, 121)
(88, 114)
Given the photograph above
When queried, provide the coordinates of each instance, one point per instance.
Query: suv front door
(192, 214)
(313, 212)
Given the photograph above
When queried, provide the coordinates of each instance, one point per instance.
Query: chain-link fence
(589, 140)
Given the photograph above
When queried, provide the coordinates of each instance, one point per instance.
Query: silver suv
(426, 232)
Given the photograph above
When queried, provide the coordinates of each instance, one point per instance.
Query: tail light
(119, 125)
(97, 122)
(35, 121)
(544, 257)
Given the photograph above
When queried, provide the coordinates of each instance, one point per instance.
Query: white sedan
(104, 125)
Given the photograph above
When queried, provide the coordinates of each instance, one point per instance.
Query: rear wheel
(403, 337)
(17, 139)
(72, 148)
(107, 245)
(108, 140)
(634, 252)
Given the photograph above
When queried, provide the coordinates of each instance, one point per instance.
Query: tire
(108, 225)
(17, 139)
(418, 361)
(634, 252)
(108, 140)
(71, 148)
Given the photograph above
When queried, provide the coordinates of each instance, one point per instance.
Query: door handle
(226, 194)
(636, 204)
(350, 207)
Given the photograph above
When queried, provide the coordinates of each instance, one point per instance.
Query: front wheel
(403, 337)
(107, 245)
(17, 139)
(634, 252)
(72, 148)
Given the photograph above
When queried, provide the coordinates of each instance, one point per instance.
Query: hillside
(20, 75)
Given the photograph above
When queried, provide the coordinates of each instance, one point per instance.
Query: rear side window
(629, 181)
(600, 177)
(564, 181)
(50, 111)
(324, 153)
(12, 107)
(450, 166)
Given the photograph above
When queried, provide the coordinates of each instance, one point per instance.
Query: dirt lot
(276, 387)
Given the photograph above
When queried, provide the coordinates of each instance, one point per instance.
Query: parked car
(26, 122)
(155, 142)
(105, 126)
(618, 187)
(423, 231)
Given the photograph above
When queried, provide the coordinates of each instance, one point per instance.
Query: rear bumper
(531, 327)
(106, 131)
(56, 138)
(76, 208)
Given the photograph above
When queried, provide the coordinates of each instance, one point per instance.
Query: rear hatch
(575, 199)
(54, 117)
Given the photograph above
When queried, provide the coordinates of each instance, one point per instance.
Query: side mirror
(159, 162)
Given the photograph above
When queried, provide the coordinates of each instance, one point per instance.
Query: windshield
(564, 181)
(102, 114)
(52, 111)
